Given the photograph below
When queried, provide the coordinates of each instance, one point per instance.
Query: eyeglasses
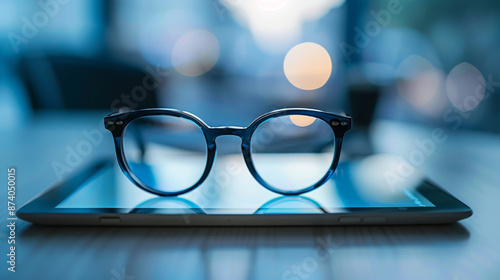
(169, 152)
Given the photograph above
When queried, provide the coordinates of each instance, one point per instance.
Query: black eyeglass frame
(117, 122)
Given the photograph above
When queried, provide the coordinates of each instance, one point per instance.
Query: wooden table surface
(467, 164)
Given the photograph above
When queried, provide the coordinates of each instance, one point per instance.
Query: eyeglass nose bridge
(227, 130)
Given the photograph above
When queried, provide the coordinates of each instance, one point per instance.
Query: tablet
(376, 190)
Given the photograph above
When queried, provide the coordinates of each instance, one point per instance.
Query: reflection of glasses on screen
(169, 152)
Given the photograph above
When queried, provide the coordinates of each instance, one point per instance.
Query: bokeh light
(419, 80)
(465, 86)
(421, 84)
(195, 53)
(307, 66)
(302, 121)
(278, 24)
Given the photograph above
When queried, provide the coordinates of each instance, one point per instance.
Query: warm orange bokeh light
(307, 66)
(302, 121)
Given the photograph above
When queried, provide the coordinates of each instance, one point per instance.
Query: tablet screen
(376, 181)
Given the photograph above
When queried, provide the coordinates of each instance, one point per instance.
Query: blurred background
(435, 63)
(417, 61)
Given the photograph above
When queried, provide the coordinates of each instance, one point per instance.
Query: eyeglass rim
(118, 121)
